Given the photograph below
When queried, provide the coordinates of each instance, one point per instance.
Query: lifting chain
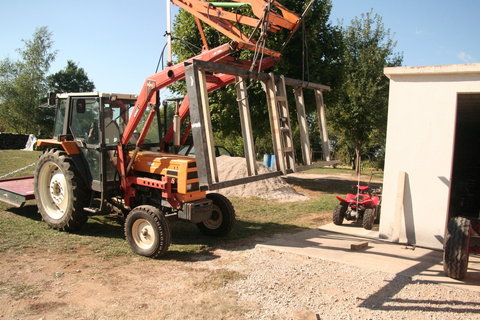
(18, 170)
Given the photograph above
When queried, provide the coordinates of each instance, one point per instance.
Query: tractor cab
(95, 123)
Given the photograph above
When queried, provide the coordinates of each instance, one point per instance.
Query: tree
(70, 79)
(359, 114)
(22, 85)
(321, 39)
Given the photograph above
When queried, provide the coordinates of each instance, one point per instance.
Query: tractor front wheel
(60, 193)
(456, 246)
(147, 231)
(222, 219)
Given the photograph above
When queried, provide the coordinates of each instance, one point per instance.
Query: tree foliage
(23, 83)
(359, 114)
(70, 79)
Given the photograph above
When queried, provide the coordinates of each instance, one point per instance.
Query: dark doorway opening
(465, 182)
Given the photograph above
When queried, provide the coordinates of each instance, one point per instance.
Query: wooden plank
(322, 124)
(398, 213)
(303, 126)
(359, 246)
(246, 124)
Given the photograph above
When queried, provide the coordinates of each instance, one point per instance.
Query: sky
(118, 42)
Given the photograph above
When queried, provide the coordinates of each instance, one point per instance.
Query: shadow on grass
(330, 185)
(29, 211)
(188, 243)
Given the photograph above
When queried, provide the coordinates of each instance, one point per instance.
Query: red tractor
(106, 148)
(363, 206)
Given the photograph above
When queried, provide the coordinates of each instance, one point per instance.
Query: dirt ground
(243, 281)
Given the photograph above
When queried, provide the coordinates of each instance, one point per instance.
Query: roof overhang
(449, 69)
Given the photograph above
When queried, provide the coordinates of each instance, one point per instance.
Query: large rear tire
(60, 193)
(339, 214)
(456, 246)
(223, 217)
(147, 231)
(368, 218)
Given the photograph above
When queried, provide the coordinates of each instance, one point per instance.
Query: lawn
(22, 228)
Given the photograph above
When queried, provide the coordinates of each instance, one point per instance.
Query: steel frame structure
(286, 161)
(271, 17)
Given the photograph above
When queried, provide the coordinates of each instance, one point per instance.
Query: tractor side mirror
(52, 98)
(80, 107)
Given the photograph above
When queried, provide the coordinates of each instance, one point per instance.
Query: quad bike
(363, 206)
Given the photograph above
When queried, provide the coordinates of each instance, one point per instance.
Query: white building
(432, 164)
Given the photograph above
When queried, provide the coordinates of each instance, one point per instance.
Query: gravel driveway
(289, 286)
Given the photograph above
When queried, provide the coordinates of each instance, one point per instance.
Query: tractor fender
(72, 149)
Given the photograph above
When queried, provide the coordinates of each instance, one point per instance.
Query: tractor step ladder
(280, 124)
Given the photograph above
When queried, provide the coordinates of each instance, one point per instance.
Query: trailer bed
(16, 191)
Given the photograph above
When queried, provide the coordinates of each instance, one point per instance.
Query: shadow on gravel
(328, 185)
(384, 299)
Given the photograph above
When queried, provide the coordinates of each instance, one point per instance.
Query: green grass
(11, 160)
(23, 230)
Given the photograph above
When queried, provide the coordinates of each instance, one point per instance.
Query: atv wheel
(339, 214)
(455, 255)
(223, 217)
(378, 210)
(60, 193)
(147, 231)
(368, 218)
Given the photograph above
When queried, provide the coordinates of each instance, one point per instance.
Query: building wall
(420, 143)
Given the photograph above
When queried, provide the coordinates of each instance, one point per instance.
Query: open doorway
(465, 182)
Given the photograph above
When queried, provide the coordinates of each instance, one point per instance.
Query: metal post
(303, 126)
(169, 34)
(201, 125)
(246, 124)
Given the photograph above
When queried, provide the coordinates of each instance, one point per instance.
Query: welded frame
(195, 76)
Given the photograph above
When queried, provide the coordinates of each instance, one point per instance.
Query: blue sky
(118, 42)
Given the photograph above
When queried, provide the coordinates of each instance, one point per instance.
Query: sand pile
(230, 168)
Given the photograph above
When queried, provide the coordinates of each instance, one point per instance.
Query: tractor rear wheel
(60, 193)
(223, 217)
(339, 214)
(147, 231)
(368, 218)
(456, 246)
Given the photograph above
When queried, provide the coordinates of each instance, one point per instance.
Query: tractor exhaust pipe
(169, 34)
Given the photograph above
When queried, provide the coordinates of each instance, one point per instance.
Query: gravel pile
(287, 286)
(230, 168)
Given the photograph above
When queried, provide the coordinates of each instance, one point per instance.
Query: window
(84, 120)
(60, 118)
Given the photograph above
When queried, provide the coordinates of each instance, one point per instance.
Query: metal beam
(246, 124)
(274, 117)
(303, 126)
(201, 125)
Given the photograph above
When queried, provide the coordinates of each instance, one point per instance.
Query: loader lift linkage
(99, 156)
